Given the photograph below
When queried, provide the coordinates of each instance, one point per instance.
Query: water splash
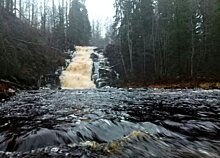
(78, 73)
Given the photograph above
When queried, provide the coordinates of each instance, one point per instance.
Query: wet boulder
(50, 81)
(99, 50)
(103, 74)
(94, 57)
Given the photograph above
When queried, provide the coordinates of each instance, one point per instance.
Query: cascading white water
(78, 73)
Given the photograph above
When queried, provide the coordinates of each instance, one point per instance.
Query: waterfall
(78, 74)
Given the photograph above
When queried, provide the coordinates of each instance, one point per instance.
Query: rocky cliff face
(103, 74)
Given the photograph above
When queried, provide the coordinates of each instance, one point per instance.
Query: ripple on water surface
(111, 123)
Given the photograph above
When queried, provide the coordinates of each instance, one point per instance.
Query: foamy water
(78, 73)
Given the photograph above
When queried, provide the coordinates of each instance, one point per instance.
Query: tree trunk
(7, 5)
(144, 58)
(166, 41)
(20, 9)
(67, 25)
(11, 5)
(154, 49)
(130, 49)
(15, 6)
(2, 3)
(130, 52)
(33, 12)
(44, 19)
(53, 14)
(193, 48)
(122, 60)
(129, 40)
(205, 23)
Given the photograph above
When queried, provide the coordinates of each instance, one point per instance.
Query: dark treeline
(64, 23)
(166, 40)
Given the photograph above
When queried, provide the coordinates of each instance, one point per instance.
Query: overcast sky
(100, 9)
(97, 9)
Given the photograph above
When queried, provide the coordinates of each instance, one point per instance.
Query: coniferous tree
(168, 39)
(79, 27)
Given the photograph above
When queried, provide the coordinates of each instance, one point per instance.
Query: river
(82, 121)
(111, 122)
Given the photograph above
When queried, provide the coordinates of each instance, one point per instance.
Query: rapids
(111, 123)
(78, 73)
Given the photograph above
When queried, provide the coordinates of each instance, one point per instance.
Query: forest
(145, 84)
(34, 35)
(149, 41)
(63, 23)
(156, 41)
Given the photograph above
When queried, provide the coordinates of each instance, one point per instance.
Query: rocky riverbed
(111, 122)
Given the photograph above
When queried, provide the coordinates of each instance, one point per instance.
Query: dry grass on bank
(175, 85)
(184, 85)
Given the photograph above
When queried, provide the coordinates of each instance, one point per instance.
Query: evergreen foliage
(160, 40)
(33, 35)
(64, 23)
(79, 30)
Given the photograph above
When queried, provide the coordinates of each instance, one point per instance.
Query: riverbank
(203, 85)
(25, 53)
(175, 85)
